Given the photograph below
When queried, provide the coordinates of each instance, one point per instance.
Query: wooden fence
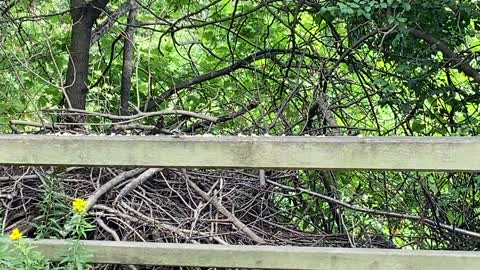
(267, 257)
(386, 153)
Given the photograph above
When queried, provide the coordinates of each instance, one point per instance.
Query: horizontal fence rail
(263, 257)
(382, 153)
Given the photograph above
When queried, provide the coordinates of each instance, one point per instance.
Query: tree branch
(458, 61)
(429, 222)
(222, 119)
(156, 101)
(100, 31)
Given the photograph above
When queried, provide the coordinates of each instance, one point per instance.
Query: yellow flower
(79, 205)
(16, 234)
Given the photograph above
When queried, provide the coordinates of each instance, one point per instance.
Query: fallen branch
(92, 199)
(18, 177)
(115, 126)
(236, 222)
(138, 115)
(173, 229)
(35, 124)
(136, 182)
(141, 127)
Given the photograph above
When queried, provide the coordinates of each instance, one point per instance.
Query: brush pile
(227, 207)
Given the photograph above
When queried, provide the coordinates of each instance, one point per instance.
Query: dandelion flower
(79, 205)
(16, 234)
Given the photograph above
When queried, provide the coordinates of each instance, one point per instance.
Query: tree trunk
(127, 59)
(84, 14)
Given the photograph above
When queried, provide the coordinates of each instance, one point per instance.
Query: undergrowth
(58, 220)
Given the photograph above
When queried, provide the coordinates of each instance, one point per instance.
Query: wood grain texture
(383, 153)
(265, 257)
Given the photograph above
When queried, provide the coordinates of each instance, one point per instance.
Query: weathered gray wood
(265, 257)
(396, 153)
